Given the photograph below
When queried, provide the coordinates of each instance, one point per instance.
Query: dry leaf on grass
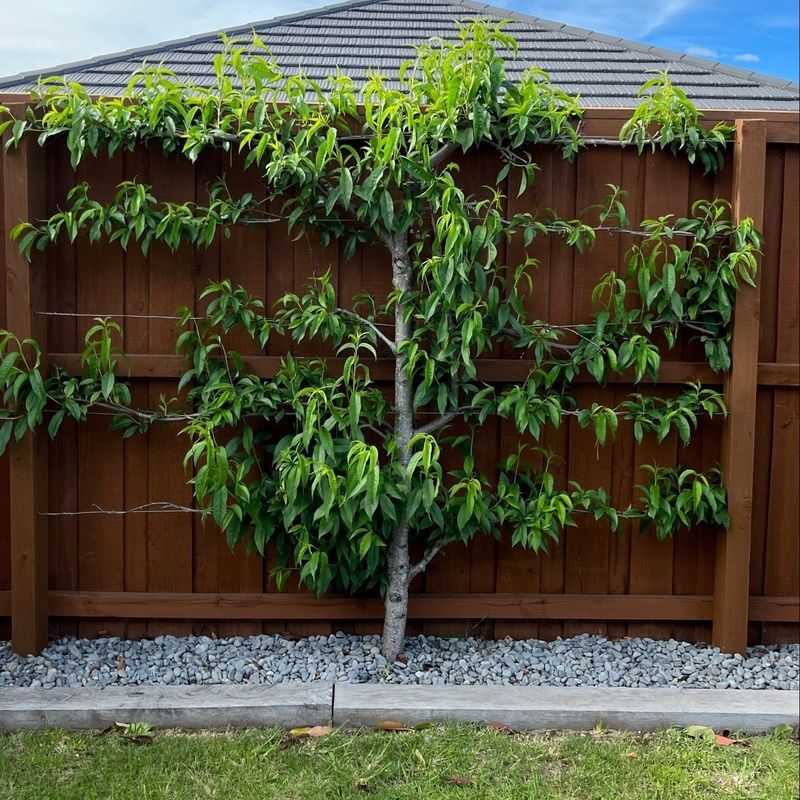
(391, 726)
(500, 726)
(314, 731)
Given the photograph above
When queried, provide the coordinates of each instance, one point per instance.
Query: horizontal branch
(113, 315)
(117, 315)
(156, 507)
(440, 422)
(371, 325)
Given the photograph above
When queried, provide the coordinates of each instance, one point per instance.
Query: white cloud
(42, 33)
(634, 19)
(749, 58)
(702, 52)
(788, 20)
(657, 14)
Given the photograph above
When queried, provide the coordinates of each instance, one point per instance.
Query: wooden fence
(141, 575)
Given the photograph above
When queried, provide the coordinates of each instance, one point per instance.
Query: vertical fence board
(731, 591)
(782, 561)
(5, 504)
(136, 449)
(25, 289)
(667, 186)
(620, 489)
(100, 290)
(243, 261)
(63, 452)
(587, 546)
(633, 183)
(169, 564)
(516, 570)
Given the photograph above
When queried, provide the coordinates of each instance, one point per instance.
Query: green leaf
(6, 429)
(54, 424)
(107, 384)
(699, 732)
(387, 209)
(346, 184)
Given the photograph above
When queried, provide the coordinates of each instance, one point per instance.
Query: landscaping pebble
(430, 660)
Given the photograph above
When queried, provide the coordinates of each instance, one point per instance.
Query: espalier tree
(342, 481)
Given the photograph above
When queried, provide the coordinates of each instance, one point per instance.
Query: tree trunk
(398, 561)
(396, 600)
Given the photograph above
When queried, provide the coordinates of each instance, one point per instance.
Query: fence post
(24, 197)
(732, 568)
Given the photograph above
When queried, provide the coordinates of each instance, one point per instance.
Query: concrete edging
(548, 707)
(215, 706)
(365, 705)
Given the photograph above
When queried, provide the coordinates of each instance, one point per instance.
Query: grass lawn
(441, 762)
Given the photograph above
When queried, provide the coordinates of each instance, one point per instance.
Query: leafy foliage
(27, 391)
(667, 118)
(134, 213)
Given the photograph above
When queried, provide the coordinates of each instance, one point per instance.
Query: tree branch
(145, 416)
(422, 564)
(371, 325)
(443, 153)
(440, 422)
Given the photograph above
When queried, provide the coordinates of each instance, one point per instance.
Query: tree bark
(398, 560)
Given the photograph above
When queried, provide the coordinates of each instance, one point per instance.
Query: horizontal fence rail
(492, 370)
(470, 606)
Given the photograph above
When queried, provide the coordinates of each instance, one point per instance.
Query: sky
(36, 34)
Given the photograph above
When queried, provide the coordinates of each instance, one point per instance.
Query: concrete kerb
(195, 707)
(548, 708)
(365, 705)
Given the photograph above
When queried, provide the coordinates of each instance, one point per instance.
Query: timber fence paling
(175, 568)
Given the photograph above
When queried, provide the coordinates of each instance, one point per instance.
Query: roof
(377, 35)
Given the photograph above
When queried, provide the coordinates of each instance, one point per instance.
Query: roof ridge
(110, 58)
(630, 44)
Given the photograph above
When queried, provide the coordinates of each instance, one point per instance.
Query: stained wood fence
(142, 575)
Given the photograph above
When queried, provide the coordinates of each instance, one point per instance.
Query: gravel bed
(579, 661)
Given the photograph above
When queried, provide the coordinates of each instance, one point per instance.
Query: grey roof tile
(364, 36)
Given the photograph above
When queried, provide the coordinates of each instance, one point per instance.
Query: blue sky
(761, 36)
